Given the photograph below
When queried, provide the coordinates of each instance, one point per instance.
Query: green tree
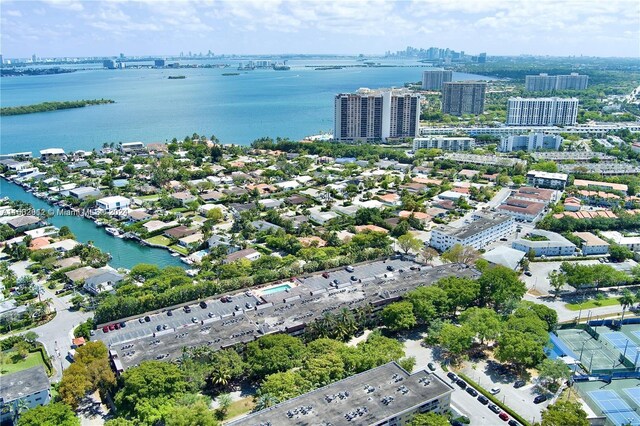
(483, 322)
(460, 292)
(197, 413)
(273, 353)
(454, 340)
(53, 414)
(553, 370)
(408, 242)
(500, 285)
(284, 385)
(215, 215)
(461, 254)
(224, 402)
(626, 300)
(557, 280)
(399, 316)
(429, 419)
(564, 413)
(428, 303)
(619, 253)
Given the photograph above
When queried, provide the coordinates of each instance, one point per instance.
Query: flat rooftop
(293, 304)
(475, 227)
(364, 399)
(23, 383)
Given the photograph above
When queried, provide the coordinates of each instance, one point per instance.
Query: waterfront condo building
(463, 97)
(549, 83)
(530, 142)
(542, 111)
(444, 143)
(376, 115)
(435, 78)
(482, 231)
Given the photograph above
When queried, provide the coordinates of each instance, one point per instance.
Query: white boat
(175, 254)
(112, 231)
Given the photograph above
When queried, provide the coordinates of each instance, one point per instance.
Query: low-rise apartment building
(444, 143)
(545, 243)
(385, 395)
(592, 244)
(479, 233)
(630, 242)
(522, 210)
(23, 389)
(546, 179)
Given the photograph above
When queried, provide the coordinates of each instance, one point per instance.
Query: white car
(494, 391)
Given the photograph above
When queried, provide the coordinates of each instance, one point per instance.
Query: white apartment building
(24, 389)
(553, 245)
(376, 115)
(132, 147)
(52, 154)
(592, 244)
(542, 111)
(482, 231)
(632, 243)
(113, 204)
(444, 143)
(530, 142)
(547, 83)
(546, 179)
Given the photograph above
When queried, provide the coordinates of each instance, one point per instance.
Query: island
(51, 106)
(176, 77)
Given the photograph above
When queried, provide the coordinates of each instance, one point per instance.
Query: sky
(57, 28)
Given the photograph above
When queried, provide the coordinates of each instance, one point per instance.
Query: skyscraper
(433, 79)
(548, 83)
(376, 115)
(463, 97)
(542, 111)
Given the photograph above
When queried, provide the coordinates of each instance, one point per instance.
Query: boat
(175, 254)
(99, 223)
(177, 77)
(112, 231)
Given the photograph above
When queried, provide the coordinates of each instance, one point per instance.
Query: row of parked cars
(485, 401)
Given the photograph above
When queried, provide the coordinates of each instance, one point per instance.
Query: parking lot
(222, 325)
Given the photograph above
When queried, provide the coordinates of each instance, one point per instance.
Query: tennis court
(625, 345)
(592, 353)
(616, 410)
(634, 394)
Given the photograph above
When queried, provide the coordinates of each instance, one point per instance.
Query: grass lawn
(590, 304)
(240, 407)
(180, 249)
(8, 366)
(149, 197)
(179, 210)
(159, 239)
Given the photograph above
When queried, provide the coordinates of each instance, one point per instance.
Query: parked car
(187, 309)
(528, 273)
(123, 324)
(471, 391)
(112, 327)
(147, 318)
(494, 408)
(390, 268)
(170, 312)
(349, 268)
(519, 383)
(452, 376)
(354, 278)
(105, 329)
(211, 314)
(225, 299)
(325, 275)
(540, 398)
(431, 366)
(158, 327)
(203, 304)
(248, 305)
(194, 320)
(141, 320)
(503, 416)
(461, 383)
(116, 326)
(494, 391)
(512, 422)
(483, 399)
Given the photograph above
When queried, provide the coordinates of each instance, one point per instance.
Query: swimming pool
(276, 289)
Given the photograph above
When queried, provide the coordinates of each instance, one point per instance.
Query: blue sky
(51, 28)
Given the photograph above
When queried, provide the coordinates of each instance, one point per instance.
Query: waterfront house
(191, 240)
(52, 155)
(220, 240)
(25, 223)
(113, 204)
(138, 215)
(132, 148)
(84, 192)
(62, 246)
(157, 225)
(249, 254)
(102, 280)
(23, 390)
(180, 231)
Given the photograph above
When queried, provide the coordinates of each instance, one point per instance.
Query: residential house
(249, 254)
(184, 197)
(24, 223)
(84, 192)
(114, 204)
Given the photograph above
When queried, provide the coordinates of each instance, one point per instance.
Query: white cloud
(71, 5)
(13, 13)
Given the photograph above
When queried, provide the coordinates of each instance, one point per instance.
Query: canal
(125, 253)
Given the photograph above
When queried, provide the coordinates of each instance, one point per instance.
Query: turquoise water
(125, 253)
(276, 289)
(149, 107)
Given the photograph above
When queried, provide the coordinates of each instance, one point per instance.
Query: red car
(117, 326)
(112, 327)
(325, 275)
(105, 329)
(503, 416)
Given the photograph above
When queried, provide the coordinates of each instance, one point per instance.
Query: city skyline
(68, 28)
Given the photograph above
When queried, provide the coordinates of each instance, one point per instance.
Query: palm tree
(220, 377)
(265, 401)
(626, 300)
